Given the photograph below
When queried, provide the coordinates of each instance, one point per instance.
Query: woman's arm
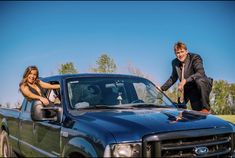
(48, 85)
(26, 92)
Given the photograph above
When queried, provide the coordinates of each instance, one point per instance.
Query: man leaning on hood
(194, 83)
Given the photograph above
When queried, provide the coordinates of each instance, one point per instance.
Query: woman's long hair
(26, 74)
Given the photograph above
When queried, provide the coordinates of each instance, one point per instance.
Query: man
(194, 83)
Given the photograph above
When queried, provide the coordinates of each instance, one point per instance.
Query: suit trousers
(198, 92)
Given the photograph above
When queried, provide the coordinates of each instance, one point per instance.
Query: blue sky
(48, 34)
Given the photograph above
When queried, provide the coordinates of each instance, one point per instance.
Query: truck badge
(201, 150)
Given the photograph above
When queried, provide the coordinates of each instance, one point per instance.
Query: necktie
(182, 92)
(182, 73)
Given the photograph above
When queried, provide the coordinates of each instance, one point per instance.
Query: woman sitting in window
(33, 88)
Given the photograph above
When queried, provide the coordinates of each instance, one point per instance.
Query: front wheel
(5, 147)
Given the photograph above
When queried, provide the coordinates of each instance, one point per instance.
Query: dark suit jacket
(193, 69)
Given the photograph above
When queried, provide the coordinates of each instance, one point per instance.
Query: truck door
(47, 133)
(47, 138)
(26, 126)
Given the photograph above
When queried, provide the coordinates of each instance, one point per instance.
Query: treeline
(104, 64)
(222, 97)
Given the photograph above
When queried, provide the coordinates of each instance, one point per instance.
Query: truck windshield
(92, 92)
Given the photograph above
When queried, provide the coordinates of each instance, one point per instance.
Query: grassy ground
(230, 118)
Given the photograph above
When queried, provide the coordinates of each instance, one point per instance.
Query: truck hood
(133, 124)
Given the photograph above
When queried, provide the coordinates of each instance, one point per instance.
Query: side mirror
(40, 113)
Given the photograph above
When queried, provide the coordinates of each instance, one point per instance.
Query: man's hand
(181, 85)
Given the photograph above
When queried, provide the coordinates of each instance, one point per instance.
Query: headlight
(123, 150)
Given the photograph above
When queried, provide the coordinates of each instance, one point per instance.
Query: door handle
(64, 134)
(20, 124)
(34, 128)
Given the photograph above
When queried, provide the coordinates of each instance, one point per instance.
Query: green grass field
(230, 118)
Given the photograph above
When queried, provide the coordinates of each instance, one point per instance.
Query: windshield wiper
(143, 105)
(125, 106)
(104, 107)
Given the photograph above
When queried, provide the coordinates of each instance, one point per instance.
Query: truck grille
(188, 144)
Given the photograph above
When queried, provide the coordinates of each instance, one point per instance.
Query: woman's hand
(45, 101)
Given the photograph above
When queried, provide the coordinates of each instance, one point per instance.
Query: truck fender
(79, 145)
(4, 125)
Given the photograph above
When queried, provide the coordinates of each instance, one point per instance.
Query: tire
(5, 147)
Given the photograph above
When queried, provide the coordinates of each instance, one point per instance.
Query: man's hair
(179, 45)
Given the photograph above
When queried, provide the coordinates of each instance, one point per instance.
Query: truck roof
(89, 75)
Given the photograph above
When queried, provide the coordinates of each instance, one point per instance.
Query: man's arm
(198, 69)
(173, 78)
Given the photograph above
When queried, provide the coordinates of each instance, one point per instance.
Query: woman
(32, 88)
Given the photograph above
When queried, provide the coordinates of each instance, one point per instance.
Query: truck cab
(111, 115)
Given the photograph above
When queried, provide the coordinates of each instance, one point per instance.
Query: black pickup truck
(111, 115)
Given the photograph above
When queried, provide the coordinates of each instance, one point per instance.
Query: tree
(135, 71)
(105, 65)
(172, 93)
(232, 96)
(67, 68)
(220, 98)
